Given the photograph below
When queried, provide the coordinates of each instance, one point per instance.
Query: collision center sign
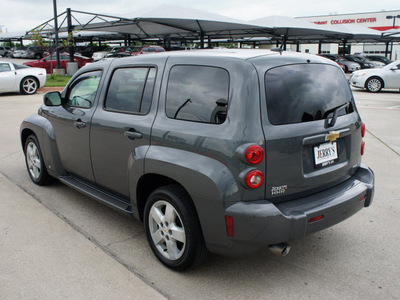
(347, 21)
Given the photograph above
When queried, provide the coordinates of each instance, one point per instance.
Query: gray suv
(222, 151)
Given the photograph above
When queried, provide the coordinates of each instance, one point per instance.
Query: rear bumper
(258, 224)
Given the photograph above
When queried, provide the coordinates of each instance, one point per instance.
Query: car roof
(258, 57)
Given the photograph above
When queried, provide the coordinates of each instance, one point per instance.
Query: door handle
(131, 134)
(79, 124)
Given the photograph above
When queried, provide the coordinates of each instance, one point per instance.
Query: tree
(36, 36)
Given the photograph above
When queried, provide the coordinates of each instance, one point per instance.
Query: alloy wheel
(167, 230)
(33, 160)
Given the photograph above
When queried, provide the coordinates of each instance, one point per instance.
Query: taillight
(362, 129)
(254, 154)
(362, 135)
(315, 219)
(362, 147)
(254, 179)
(229, 226)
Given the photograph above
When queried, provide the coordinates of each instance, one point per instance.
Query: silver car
(349, 66)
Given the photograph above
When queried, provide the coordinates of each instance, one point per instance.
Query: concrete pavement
(43, 257)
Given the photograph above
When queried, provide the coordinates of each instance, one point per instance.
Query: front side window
(131, 90)
(306, 92)
(84, 89)
(198, 94)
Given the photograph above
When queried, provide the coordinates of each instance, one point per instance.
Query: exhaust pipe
(282, 249)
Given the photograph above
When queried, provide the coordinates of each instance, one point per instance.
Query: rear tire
(173, 229)
(34, 162)
(29, 86)
(374, 84)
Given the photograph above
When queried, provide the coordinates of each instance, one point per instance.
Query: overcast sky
(23, 15)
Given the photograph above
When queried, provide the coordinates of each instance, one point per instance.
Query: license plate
(325, 154)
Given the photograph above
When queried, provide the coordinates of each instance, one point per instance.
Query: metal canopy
(171, 22)
(164, 21)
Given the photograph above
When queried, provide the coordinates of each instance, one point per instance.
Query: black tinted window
(198, 94)
(306, 92)
(131, 90)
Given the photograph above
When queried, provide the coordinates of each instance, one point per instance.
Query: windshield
(306, 92)
(393, 65)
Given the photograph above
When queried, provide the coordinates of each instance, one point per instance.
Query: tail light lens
(229, 226)
(362, 147)
(362, 129)
(254, 179)
(362, 135)
(254, 154)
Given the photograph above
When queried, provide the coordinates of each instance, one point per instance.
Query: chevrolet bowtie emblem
(332, 136)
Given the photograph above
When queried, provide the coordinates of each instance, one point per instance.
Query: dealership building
(381, 21)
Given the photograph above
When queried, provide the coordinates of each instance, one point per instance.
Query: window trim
(198, 65)
(149, 67)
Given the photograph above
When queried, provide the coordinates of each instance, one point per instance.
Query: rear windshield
(306, 92)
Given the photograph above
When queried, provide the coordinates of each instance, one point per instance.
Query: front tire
(34, 162)
(173, 229)
(374, 85)
(29, 86)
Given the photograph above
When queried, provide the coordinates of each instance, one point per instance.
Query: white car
(19, 78)
(373, 80)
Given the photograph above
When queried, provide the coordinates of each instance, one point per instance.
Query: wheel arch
(150, 182)
(43, 130)
(25, 133)
(372, 77)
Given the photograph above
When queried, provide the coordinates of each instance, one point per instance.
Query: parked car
(5, 51)
(50, 62)
(19, 53)
(374, 64)
(375, 80)
(379, 58)
(101, 54)
(221, 150)
(34, 52)
(362, 62)
(19, 78)
(348, 66)
(117, 55)
(146, 50)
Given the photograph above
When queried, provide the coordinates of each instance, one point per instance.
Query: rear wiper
(335, 111)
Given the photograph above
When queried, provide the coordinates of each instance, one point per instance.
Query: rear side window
(131, 90)
(18, 67)
(198, 94)
(306, 92)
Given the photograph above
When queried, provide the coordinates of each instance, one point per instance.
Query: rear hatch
(312, 130)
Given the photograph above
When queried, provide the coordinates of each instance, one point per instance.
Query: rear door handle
(79, 124)
(131, 134)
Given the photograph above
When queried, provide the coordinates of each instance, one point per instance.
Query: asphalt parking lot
(81, 249)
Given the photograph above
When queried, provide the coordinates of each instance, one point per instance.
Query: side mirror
(52, 99)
